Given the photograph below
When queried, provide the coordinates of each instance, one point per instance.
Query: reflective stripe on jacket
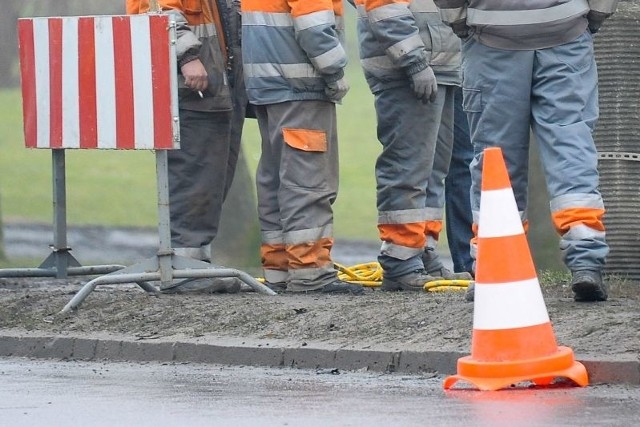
(398, 38)
(200, 31)
(525, 25)
(291, 48)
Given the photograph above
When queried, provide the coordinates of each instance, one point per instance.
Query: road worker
(411, 62)
(531, 65)
(212, 103)
(294, 72)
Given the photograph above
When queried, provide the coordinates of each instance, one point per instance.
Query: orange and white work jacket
(291, 48)
(398, 38)
(201, 29)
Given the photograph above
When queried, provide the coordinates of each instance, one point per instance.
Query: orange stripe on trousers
(564, 219)
(410, 235)
(274, 257)
(310, 254)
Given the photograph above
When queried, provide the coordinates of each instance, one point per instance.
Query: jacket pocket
(472, 100)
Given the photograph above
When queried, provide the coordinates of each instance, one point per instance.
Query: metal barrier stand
(165, 266)
(60, 263)
(142, 60)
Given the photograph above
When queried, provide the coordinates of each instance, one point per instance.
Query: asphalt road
(70, 393)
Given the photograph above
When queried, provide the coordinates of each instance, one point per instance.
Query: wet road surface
(70, 393)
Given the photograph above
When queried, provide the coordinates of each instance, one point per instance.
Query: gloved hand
(461, 29)
(424, 85)
(337, 90)
(595, 20)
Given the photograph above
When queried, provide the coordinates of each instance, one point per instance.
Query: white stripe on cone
(520, 305)
(499, 214)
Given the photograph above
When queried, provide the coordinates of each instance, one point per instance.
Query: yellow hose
(370, 275)
(367, 274)
(447, 285)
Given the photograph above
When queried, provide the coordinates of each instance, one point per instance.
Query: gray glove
(461, 29)
(595, 20)
(424, 85)
(337, 90)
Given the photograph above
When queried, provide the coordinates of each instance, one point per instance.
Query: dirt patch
(421, 321)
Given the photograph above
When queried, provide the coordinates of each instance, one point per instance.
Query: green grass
(118, 188)
(113, 188)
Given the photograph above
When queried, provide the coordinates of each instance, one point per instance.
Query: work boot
(434, 267)
(469, 295)
(339, 287)
(277, 287)
(413, 281)
(201, 253)
(206, 285)
(587, 286)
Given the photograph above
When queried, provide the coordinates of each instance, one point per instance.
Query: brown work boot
(434, 267)
(413, 281)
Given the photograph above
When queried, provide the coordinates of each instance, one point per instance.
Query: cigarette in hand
(200, 93)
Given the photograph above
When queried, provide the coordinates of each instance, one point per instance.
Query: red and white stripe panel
(105, 82)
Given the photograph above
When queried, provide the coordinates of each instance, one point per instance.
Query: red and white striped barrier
(102, 82)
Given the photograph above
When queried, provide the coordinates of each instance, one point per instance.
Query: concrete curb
(229, 351)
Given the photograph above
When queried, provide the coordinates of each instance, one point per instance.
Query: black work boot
(205, 285)
(413, 281)
(209, 285)
(339, 287)
(434, 267)
(470, 293)
(277, 287)
(587, 286)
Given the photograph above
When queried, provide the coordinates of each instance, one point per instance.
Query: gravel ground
(429, 320)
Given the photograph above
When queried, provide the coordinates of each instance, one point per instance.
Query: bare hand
(195, 76)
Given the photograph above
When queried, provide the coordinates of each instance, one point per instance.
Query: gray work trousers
(297, 183)
(200, 174)
(408, 190)
(554, 92)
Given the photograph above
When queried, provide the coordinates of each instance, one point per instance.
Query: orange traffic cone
(513, 340)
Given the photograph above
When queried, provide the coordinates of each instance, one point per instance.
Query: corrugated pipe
(617, 136)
